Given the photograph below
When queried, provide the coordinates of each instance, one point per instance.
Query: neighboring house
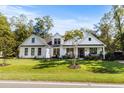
(36, 47)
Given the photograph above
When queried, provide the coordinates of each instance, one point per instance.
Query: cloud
(60, 25)
(10, 11)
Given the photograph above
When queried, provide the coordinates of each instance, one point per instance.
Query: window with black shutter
(32, 51)
(26, 51)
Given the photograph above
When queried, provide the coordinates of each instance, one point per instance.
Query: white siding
(38, 41)
(22, 52)
(86, 41)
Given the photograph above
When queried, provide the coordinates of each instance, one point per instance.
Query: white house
(36, 47)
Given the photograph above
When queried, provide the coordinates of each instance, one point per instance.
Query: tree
(22, 29)
(105, 30)
(118, 16)
(30, 27)
(43, 25)
(73, 35)
(111, 28)
(7, 41)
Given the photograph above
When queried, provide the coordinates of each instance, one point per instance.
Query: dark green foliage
(110, 56)
(118, 16)
(42, 26)
(66, 57)
(92, 57)
(111, 29)
(105, 28)
(7, 42)
(114, 56)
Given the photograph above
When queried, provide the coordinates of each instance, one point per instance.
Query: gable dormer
(34, 40)
(90, 39)
(57, 39)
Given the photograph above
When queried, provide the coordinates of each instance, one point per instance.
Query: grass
(57, 70)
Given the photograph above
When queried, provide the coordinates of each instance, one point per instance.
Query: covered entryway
(81, 52)
(56, 52)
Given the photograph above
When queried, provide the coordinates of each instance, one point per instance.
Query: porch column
(86, 51)
(103, 52)
(51, 52)
(61, 51)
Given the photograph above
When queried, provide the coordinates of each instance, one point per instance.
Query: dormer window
(33, 40)
(89, 39)
(57, 41)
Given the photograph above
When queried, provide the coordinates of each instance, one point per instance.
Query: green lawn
(57, 70)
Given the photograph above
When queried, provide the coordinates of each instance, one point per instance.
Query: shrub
(119, 55)
(109, 56)
(91, 57)
(66, 57)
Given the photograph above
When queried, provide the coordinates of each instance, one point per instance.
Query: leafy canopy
(7, 41)
(43, 25)
(72, 34)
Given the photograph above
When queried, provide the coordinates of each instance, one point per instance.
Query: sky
(65, 17)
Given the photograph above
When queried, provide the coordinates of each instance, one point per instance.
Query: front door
(56, 52)
(80, 52)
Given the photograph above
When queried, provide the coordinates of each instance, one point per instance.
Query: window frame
(39, 52)
(57, 41)
(32, 52)
(33, 40)
(26, 51)
(93, 50)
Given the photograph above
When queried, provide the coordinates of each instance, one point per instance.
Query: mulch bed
(74, 66)
(2, 65)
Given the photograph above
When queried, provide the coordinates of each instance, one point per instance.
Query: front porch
(79, 51)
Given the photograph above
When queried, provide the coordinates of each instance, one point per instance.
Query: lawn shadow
(106, 67)
(99, 66)
(47, 63)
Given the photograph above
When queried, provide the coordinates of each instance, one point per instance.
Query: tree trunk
(74, 61)
(4, 58)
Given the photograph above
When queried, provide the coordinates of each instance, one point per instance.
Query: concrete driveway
(42, 84)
